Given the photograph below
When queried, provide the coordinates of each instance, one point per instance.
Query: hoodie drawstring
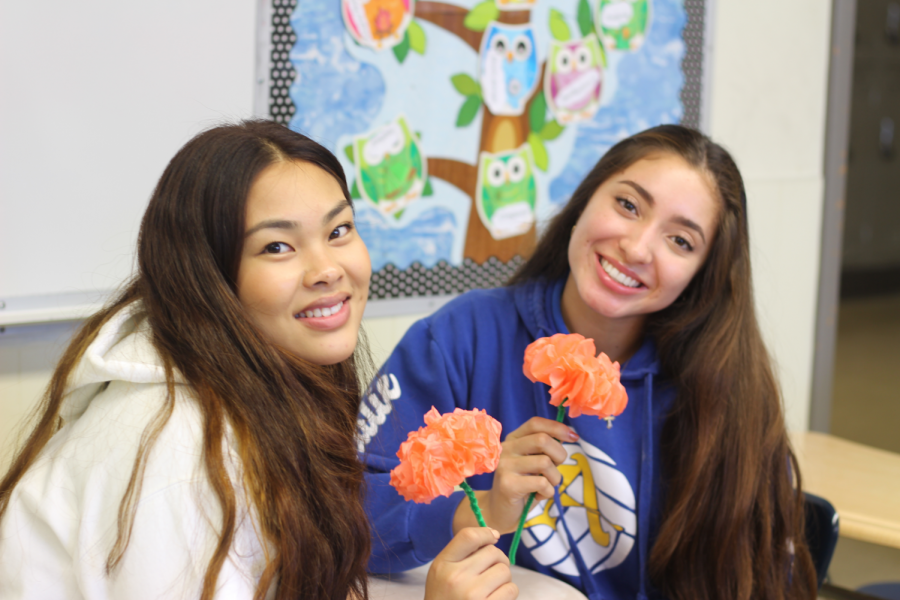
(646, 487)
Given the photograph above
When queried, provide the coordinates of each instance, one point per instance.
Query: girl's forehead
(664, 166)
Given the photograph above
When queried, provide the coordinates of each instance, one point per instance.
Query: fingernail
(496, 533)
(573, 435)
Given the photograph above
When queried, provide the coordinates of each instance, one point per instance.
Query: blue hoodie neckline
(540, 306)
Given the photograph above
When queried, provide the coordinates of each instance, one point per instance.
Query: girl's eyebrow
(691, 225)
(338, 208)
(640, 190)
(648, 197)
(271, 224)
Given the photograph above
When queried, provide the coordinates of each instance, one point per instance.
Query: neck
(619, 338)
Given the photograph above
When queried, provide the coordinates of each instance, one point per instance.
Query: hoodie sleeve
(415, 378)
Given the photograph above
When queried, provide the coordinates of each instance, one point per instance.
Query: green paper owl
(390, 168)
(506, 192)
(623, 23)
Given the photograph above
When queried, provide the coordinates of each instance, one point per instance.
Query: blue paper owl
(509, 67)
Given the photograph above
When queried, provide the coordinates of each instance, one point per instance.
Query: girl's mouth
(326, 311)
(618, 276)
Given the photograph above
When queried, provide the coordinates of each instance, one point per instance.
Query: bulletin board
(463, 127)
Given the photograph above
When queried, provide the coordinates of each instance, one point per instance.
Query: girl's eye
(683, 243)
(627, 204)
(340, 231)
(276, 248)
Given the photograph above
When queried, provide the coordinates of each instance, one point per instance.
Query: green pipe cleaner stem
(473, 501)
(560, 415)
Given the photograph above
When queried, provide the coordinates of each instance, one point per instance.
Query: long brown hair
(294, 422)
(733, 518)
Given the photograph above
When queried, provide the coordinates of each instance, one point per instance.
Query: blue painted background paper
(343, 90)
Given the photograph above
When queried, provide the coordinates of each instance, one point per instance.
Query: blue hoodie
(469, 354)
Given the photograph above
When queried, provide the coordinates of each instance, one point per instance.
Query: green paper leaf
(398, 214)
(585, 21)
(416, 37)
(541, 158)
(480, 15)
(428, 190)
(537, 114)
(419, 135)
(354, 192)
(551, 130)
(402, 49)
(558, 27)
(465, 85)
(602, 53)
(348, 150)
(468, 111)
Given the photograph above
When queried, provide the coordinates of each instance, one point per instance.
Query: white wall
(769, 76)
(769, 81)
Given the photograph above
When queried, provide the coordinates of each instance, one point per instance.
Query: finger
(537, 464)
(538, 443)
(468, 541)
(491, 580)
(507, 591)
(542, 425)
(515, 488)
(484, 559)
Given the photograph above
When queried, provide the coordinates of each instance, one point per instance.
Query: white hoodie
(61, 522)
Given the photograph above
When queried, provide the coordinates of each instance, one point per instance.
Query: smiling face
(642, 237)
(304, 272)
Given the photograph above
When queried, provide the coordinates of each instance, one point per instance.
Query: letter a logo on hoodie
(598, 507)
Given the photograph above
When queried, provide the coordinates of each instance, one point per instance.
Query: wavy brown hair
(294, 422)
(733, 504)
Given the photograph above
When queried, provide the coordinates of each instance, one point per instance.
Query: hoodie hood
(122, 351)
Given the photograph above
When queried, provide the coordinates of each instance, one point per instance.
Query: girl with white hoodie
(197, 439)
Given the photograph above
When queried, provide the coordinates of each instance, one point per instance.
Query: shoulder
(484, 310)
(94, 456)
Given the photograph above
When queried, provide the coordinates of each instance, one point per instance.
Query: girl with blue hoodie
(694, 492)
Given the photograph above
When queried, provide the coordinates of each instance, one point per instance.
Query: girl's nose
(636, 248)
(321, 269)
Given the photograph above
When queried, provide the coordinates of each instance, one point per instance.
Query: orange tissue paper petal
(586, 383)
(439, 456)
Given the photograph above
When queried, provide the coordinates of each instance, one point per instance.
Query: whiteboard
(96, 97)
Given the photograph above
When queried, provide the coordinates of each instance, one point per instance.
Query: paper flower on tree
(579, 380)
(439, 456)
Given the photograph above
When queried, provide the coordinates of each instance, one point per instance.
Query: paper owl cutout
(390, 168)
(573, 79)
(506, 193)
(509, 67)
(623, 23)
(378, 24)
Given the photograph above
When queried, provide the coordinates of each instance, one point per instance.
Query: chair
(889, 590)
(821, 533)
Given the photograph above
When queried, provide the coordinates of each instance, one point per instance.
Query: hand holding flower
(579, 380)
(528, 464)
(471, 567)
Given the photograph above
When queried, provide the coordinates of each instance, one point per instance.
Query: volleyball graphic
(599, 508)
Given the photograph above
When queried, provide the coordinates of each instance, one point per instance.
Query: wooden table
(862, 483)
(410, 585)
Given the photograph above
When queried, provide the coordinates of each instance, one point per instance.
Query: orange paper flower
(588, 384)
(439, 456)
